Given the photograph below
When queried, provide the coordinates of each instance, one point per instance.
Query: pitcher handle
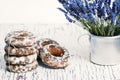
(85, 34)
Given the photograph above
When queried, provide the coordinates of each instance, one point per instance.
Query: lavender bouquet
(99, 17)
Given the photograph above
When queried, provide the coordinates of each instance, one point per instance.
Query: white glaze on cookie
(22, 68)
(20, 38)
(20, 60)
(54, 61)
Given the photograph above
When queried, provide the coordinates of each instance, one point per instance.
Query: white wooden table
(67, 35)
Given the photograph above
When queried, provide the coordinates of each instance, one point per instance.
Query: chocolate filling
(46, 43)
(23, 34)
(56, 51)
(15, 64)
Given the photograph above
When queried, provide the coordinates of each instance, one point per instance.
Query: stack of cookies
(21, 54)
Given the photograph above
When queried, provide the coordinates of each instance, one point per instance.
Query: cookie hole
(56, 51)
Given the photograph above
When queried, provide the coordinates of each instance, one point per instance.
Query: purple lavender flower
(102, 12)
(83, 8)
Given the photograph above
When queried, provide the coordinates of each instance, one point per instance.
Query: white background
(31, 11)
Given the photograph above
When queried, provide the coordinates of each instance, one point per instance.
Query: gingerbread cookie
(55, 56)
(21, 51)
(20, 39)
(43, 42)
(22, 68)
(20, 60)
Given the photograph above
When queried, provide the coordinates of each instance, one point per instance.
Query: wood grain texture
(67, 35)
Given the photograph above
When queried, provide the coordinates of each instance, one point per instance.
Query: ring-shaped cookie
(55, 56)
(22, 68)
(20, 60)
(21, 51)
(20, 38)
(45, 41)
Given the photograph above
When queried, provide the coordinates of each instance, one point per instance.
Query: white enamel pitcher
(104, 50)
